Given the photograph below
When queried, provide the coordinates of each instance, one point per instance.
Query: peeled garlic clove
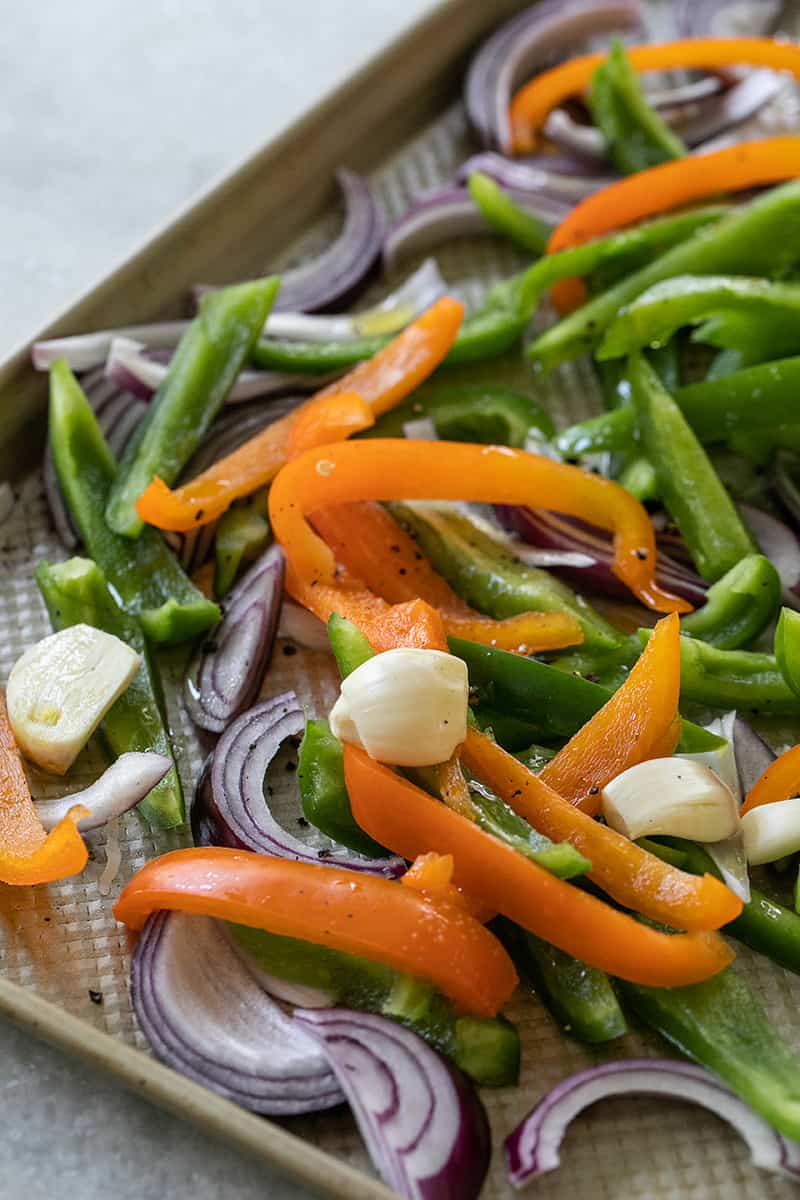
(60, 689)
(405, 707)
(671, 796)
(771, 831)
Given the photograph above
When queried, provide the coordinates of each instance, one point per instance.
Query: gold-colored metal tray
(399, 118)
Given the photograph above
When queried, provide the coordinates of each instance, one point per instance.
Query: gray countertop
(114, 115)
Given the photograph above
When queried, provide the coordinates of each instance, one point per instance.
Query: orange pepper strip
(668, 186)
(667, 745)
(28, 855)
(533, 102)
(356, 913)
(385, 626)
(328, 419)
(368, 541)
(399, 469)
(780, 781)
(410, 822)
(626, 730)
(624, 870)
(432, 874)
(379, 383)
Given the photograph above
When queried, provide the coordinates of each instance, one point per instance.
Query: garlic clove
(671, 796)
(771, 831)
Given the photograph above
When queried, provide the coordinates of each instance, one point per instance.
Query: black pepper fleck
(95, 997)
(290, 650)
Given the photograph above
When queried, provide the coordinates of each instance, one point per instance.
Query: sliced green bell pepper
(712, 529)
(763, 238)
(203, 370)
(242, 533)
(489, 577)
(469, 413)
(323, 793)
(636, 136)
(497, 818)
(77, 592)
(720, 1024)
(144, 573)
(486, 1048)
(350, 647)
(581, 998)
(787, 647)
(739, 606)
(525, 230)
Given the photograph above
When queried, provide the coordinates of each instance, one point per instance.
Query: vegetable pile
(557, 648)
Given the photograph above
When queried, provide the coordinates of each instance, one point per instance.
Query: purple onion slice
(717, 114)
(584, 141)
(226, 672)
(725, 18)
(449, 212)
(778, 542)
(533, 1148)
(205, 1015)
(556, 532)
(422, 1122)
(537, 175)
(526, 44)
(121, 786)
(230, 808)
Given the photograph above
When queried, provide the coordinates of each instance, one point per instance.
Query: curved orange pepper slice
(532, 103)
(28, 855)
(349, 911)
(398, 469)
(632, 726)
(381, 382)
(624, 870)
(368, 541)
(410, 822)
(780, 781)
(668, 186)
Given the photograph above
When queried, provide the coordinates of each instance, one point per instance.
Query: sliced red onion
(226, 672)
(298, 625)
(555, 532)
(753, 755)
(525, 44)
(422, 1122)
(725, 18)
(121, 786)
(87, 350)
(731, 107)
(585, 141)
(205, 1015)
(449, 212)
(230, 808)
(532, 175)
(690, 91)
(778, 542)
(530, 555)
(533, 1148)
(131, 366)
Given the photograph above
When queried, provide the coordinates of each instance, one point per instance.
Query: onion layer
(421, 1120)
(122, 785)
(204, 1014)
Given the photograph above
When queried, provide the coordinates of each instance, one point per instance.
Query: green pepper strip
(469, 413)
(767, 316)
(692, 492)
(556, 704)
(721, 1024)
(491, 579)
(787, 647)
(487, 1049)
(763, 924)
(242, 533)
(636, 136)
(144, 574)
(507, 218)
(490, 332)
(760, 239)
(323, 794)
(76, 592)
(203, 370)
(581, 998)
(739, 606)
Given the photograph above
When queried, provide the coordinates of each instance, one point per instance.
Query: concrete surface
(113, 115)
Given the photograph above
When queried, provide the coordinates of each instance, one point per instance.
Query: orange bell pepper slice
(533, 102)
(28, 855)
(371, 388)
(410, 822)
(346, 910)
(632, 726)
(668, 186)
(625, 871)
(398, 469)
(368, 541)
(780, 781)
